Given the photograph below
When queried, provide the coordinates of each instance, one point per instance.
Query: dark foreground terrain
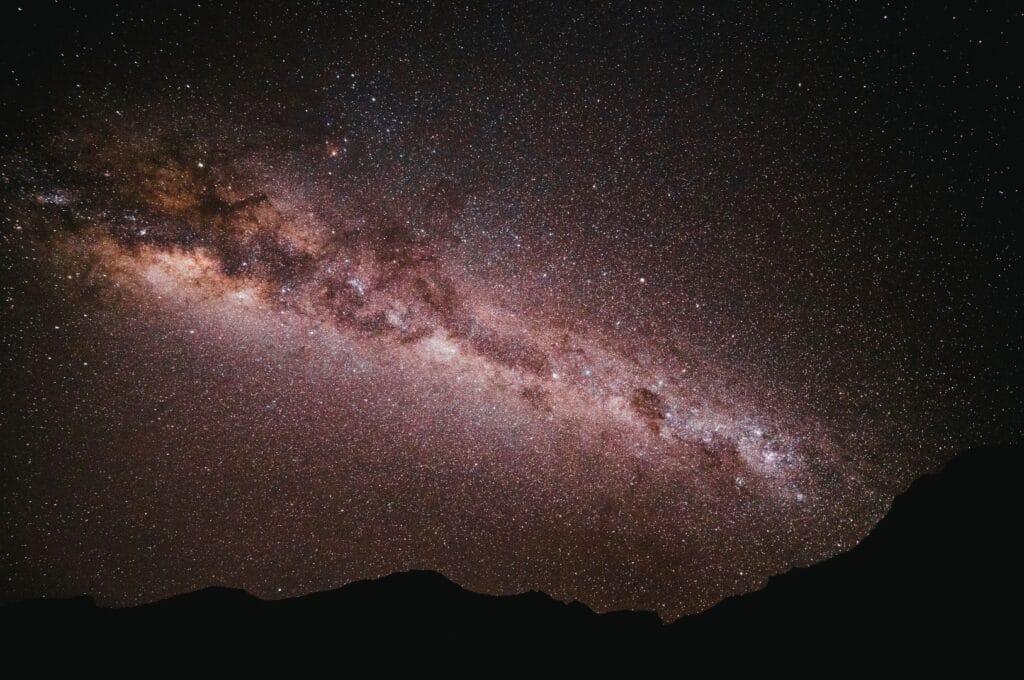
(935, 575)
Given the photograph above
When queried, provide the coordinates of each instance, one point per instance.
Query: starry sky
(635, 304)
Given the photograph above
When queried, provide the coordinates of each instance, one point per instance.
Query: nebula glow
(527, 327)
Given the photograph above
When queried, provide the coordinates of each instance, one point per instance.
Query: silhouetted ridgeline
(935, 574)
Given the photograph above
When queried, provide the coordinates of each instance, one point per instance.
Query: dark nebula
(632, 305)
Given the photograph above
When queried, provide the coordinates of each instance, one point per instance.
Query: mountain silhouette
(936, 571)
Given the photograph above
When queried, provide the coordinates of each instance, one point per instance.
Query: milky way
(634, 307)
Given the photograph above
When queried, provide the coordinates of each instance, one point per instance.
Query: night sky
(634, 304)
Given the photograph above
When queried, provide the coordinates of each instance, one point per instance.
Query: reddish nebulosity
(636, 310)
(493, 389)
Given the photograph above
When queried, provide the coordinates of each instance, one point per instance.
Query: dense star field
(634, 305)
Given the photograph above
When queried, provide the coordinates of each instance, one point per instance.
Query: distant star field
(637, 306)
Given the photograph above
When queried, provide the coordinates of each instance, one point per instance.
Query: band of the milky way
(633, 305)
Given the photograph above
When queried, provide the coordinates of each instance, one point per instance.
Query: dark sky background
(633, 304)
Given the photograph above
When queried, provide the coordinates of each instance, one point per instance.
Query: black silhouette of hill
(936, 574)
